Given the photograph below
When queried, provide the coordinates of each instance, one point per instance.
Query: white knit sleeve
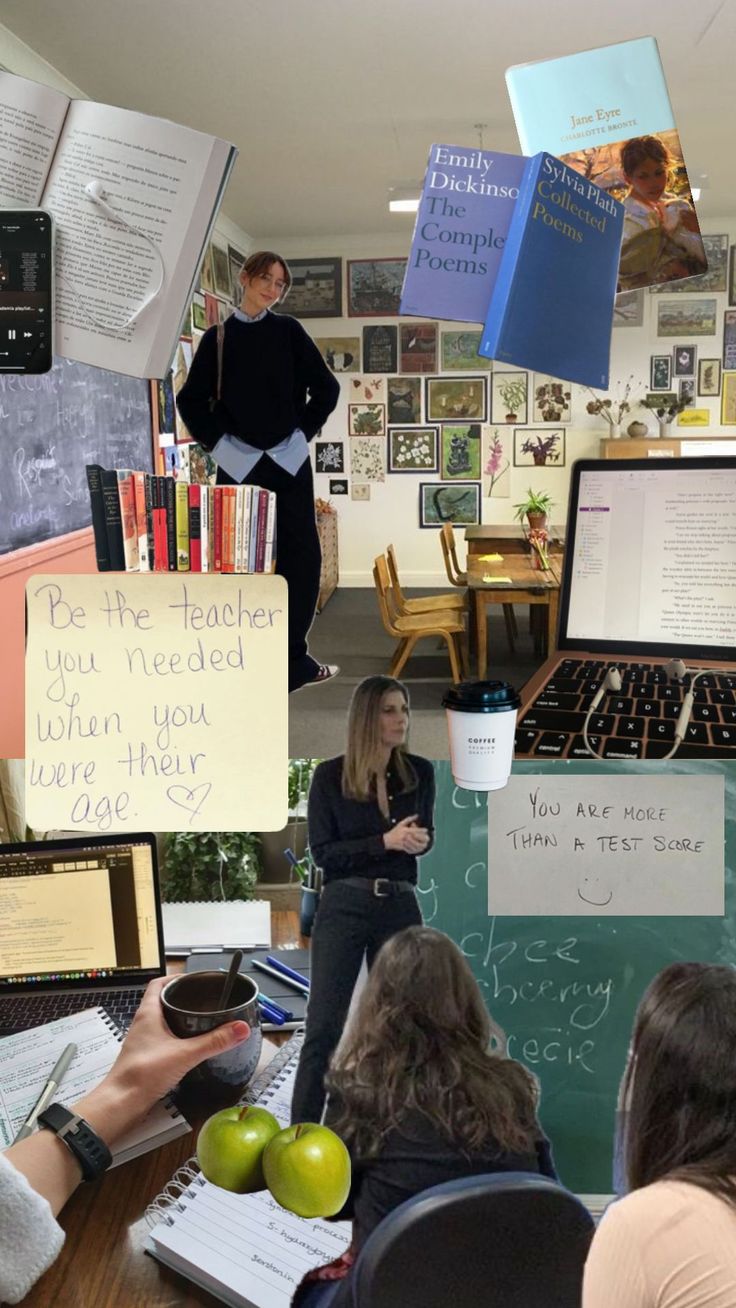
(30, 1237)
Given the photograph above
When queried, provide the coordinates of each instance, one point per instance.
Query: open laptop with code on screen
(649, 576)
(81, 927)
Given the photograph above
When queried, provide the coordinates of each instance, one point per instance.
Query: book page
(164, 180)
(31, 119)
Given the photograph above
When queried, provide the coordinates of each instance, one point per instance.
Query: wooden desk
(529, 586)
(495, 538)
(103, 1264)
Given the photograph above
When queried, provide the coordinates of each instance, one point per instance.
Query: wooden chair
(408, 628)
(423, 603)
(459, 578)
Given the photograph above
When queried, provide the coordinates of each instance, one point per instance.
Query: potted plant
(210, 865)
(535, 508)
(277, 866)
(513, 393)
(612, 411)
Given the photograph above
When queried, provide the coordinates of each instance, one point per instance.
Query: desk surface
(103, 1264)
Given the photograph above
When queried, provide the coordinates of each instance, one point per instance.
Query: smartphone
(26, 290)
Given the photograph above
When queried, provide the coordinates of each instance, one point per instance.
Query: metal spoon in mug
(232, 973)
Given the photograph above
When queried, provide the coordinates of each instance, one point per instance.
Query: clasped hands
(407, 836)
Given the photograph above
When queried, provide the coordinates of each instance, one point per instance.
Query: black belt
(381, 887)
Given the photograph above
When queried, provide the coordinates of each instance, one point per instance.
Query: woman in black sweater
(370, 817)
(419, 1096)
(275, 395)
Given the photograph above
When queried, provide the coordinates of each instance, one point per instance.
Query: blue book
(607, 114)
(552, 305)
(463, 218)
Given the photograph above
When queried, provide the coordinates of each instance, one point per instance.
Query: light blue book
(584, 108)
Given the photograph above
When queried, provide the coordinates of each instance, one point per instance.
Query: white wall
(392, 514)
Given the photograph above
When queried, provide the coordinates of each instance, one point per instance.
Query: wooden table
(103, 1264)
(500, 538)
(528, 586)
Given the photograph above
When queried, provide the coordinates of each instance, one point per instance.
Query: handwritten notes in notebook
(604, 845)
(145, 697)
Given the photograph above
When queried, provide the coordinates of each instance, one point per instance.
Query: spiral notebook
(26, 1059)
(244, 1248)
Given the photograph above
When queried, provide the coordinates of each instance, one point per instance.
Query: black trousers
(298, 553)
(350, 923)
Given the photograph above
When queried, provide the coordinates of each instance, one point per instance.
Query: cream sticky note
(156, 703)
(492, 581)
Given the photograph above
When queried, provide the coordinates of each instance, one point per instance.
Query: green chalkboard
(565, 989)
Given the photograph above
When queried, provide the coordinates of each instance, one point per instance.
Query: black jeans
(350, 923)
(298, 553)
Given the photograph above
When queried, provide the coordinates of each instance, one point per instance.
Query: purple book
(467, 204)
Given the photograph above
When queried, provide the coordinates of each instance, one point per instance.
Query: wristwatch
(90, 1151)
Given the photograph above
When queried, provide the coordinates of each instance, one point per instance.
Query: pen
(271, 1014)
(58, 1073)
(285, 1013)
(287, 971)
(281, 976)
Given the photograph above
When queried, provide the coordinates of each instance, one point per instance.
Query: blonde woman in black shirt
(370, 818)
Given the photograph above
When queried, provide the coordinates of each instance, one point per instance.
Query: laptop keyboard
(636, 722)
(26, 1011)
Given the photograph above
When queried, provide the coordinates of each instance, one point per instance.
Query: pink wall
(72, 553)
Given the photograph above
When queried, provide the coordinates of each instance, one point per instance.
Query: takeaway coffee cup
(190, 1007)
(481, 721)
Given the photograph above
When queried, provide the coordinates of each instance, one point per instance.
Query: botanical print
(440, 503)
(404, 399)
(367, 390)
(340, 353)
(380, 345)
(729, 339)
(199, 316)
(686, 390)
(728, 400)
(235, 262)
(686, 317)
(367, 419)
(496, 464)
(367, 454)
(539, 448)
(509, 396)
(329, 456)
(206, 276)
(220, 271)
(412, 449)
(361, 491)
(694, 418)
(716, 251)
(418, 343)
(660, 372)
(448, 400)
(202, 466)
(460, 352)
(460, 452)
(552, 399)
(709, 377)
(374, 287)
(338, 486)
(628, 309)
(684, 360)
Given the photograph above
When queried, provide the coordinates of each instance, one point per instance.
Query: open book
(164, 179)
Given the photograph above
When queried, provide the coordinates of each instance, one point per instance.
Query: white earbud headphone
(675, 670)
(98, 196)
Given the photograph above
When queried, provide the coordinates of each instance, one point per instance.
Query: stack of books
(146, 523)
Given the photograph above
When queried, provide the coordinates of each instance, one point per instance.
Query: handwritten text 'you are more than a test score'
(145, 697)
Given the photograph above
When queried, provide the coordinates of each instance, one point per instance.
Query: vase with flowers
(664, 413)
(612, 410)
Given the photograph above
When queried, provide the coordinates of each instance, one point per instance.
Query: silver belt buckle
(381, 881)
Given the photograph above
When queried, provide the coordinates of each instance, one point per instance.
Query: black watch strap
(91, 1152)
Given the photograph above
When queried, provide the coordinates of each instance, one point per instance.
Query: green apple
(307, 1170)
(231, 1145)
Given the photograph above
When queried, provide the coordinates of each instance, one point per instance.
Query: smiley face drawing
(592, 892)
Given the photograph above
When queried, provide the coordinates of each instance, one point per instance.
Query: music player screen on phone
(26, 318)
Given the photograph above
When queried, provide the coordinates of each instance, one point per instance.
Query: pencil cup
(481, 721)
(307, 910)
(189, 1005)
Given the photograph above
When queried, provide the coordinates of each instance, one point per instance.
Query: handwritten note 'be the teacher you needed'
(156, 703)
(607, 845)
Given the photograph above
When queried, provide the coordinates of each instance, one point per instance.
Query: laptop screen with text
(650, 562)
(79, 912)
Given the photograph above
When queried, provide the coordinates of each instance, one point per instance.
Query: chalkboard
(51, 426)
(565, 988)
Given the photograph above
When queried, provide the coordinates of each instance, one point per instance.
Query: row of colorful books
(143, 522)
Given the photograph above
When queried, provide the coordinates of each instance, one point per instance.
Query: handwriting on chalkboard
(607, 844)
(144, 697)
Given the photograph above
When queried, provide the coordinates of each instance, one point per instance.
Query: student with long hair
(671, 1242)
(418, 1094)
(275, 393)
(370, 816)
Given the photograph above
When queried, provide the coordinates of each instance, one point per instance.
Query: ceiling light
(695, 192)
(408, 205)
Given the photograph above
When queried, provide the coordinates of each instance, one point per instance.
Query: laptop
(81, 927)
(649, 576)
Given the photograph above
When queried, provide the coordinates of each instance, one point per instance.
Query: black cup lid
(481, 697)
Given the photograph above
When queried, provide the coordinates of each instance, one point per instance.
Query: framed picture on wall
(340, 353)
(686, 317)
(404, 399)
(329, 456)
(686, 389)
(460, 352)
(539, 448)
(418, 347)
(440, 503)
(235, 261)
(366, 390)
(338, 486)
(367, 419)
(716, 251)
(683, 357)
(380, 346)
(460, 453)
(374, 287)
(221, 271)
(660, 372)
(728, 400)
(628, 309)
(732, 275)
(729, 339)
(413, 449)
(509, 396)
(316, 289)
(451, 399)
(709, 377)
(552, 399)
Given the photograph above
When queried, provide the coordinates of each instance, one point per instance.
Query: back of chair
(382, 582)
(507, 1240)
(393, 572)
(447, 540)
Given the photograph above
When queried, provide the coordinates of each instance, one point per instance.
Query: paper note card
(607, 845)
(149, 700)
